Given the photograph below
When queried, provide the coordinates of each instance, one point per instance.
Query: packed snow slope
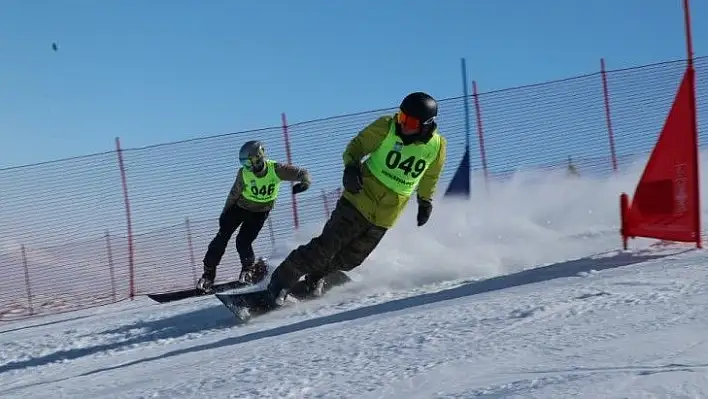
(519, 294)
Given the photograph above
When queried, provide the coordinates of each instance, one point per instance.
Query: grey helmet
(252, 156)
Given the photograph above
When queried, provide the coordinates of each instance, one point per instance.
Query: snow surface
(522, 294)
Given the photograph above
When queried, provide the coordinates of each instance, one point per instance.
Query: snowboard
(251, 301)
(261, 266)
(164, 297)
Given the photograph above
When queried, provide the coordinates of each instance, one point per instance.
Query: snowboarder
(248, 204)
(406, 152)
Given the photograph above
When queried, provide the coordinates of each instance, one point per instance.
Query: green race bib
(400, 167)
(261, 189)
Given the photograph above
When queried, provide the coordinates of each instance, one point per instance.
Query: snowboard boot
(314, 284)
(276, 293)
(254, 273)
(205, 284)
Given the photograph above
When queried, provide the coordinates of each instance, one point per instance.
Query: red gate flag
(666, 203)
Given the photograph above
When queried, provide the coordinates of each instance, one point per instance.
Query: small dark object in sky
(55, 47)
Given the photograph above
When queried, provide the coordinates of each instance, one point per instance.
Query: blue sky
(157, 71)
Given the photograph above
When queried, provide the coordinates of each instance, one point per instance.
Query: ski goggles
(411, 122)
(250, 162)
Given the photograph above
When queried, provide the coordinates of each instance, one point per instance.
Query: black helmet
(423, 109)
(420, 106)
(252, 156)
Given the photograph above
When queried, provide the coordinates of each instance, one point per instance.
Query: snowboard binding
(256, 273)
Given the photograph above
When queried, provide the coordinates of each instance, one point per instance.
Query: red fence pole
(286, 137)
(111, 269)
(25, 265)
(190, 249)
(689, 35)
(126, 199)
(608, 118)
(480, 132)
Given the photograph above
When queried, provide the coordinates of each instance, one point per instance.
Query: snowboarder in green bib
(248, 204)
(406, 154)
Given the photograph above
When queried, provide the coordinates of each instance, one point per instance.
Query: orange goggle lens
(410, 122)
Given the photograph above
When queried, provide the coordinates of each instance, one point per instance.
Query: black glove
(352, 179)
(424, 210)
(300, 187)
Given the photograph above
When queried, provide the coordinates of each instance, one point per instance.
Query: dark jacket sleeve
(293, 173)
(236, 189)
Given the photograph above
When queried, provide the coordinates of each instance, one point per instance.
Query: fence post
(25, 265)
(468, 131)
(460, 185)
(286, 137)
(480, 133)
(688, 32)
(111, 269)
(608, 118)
(324, 202)
(466, 102)
(190, 249)
(126, 199)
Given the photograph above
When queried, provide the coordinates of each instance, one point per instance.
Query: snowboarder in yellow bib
(250, 200)
(406, 154)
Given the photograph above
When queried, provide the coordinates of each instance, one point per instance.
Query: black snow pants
(347, 239)
(251, 224)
